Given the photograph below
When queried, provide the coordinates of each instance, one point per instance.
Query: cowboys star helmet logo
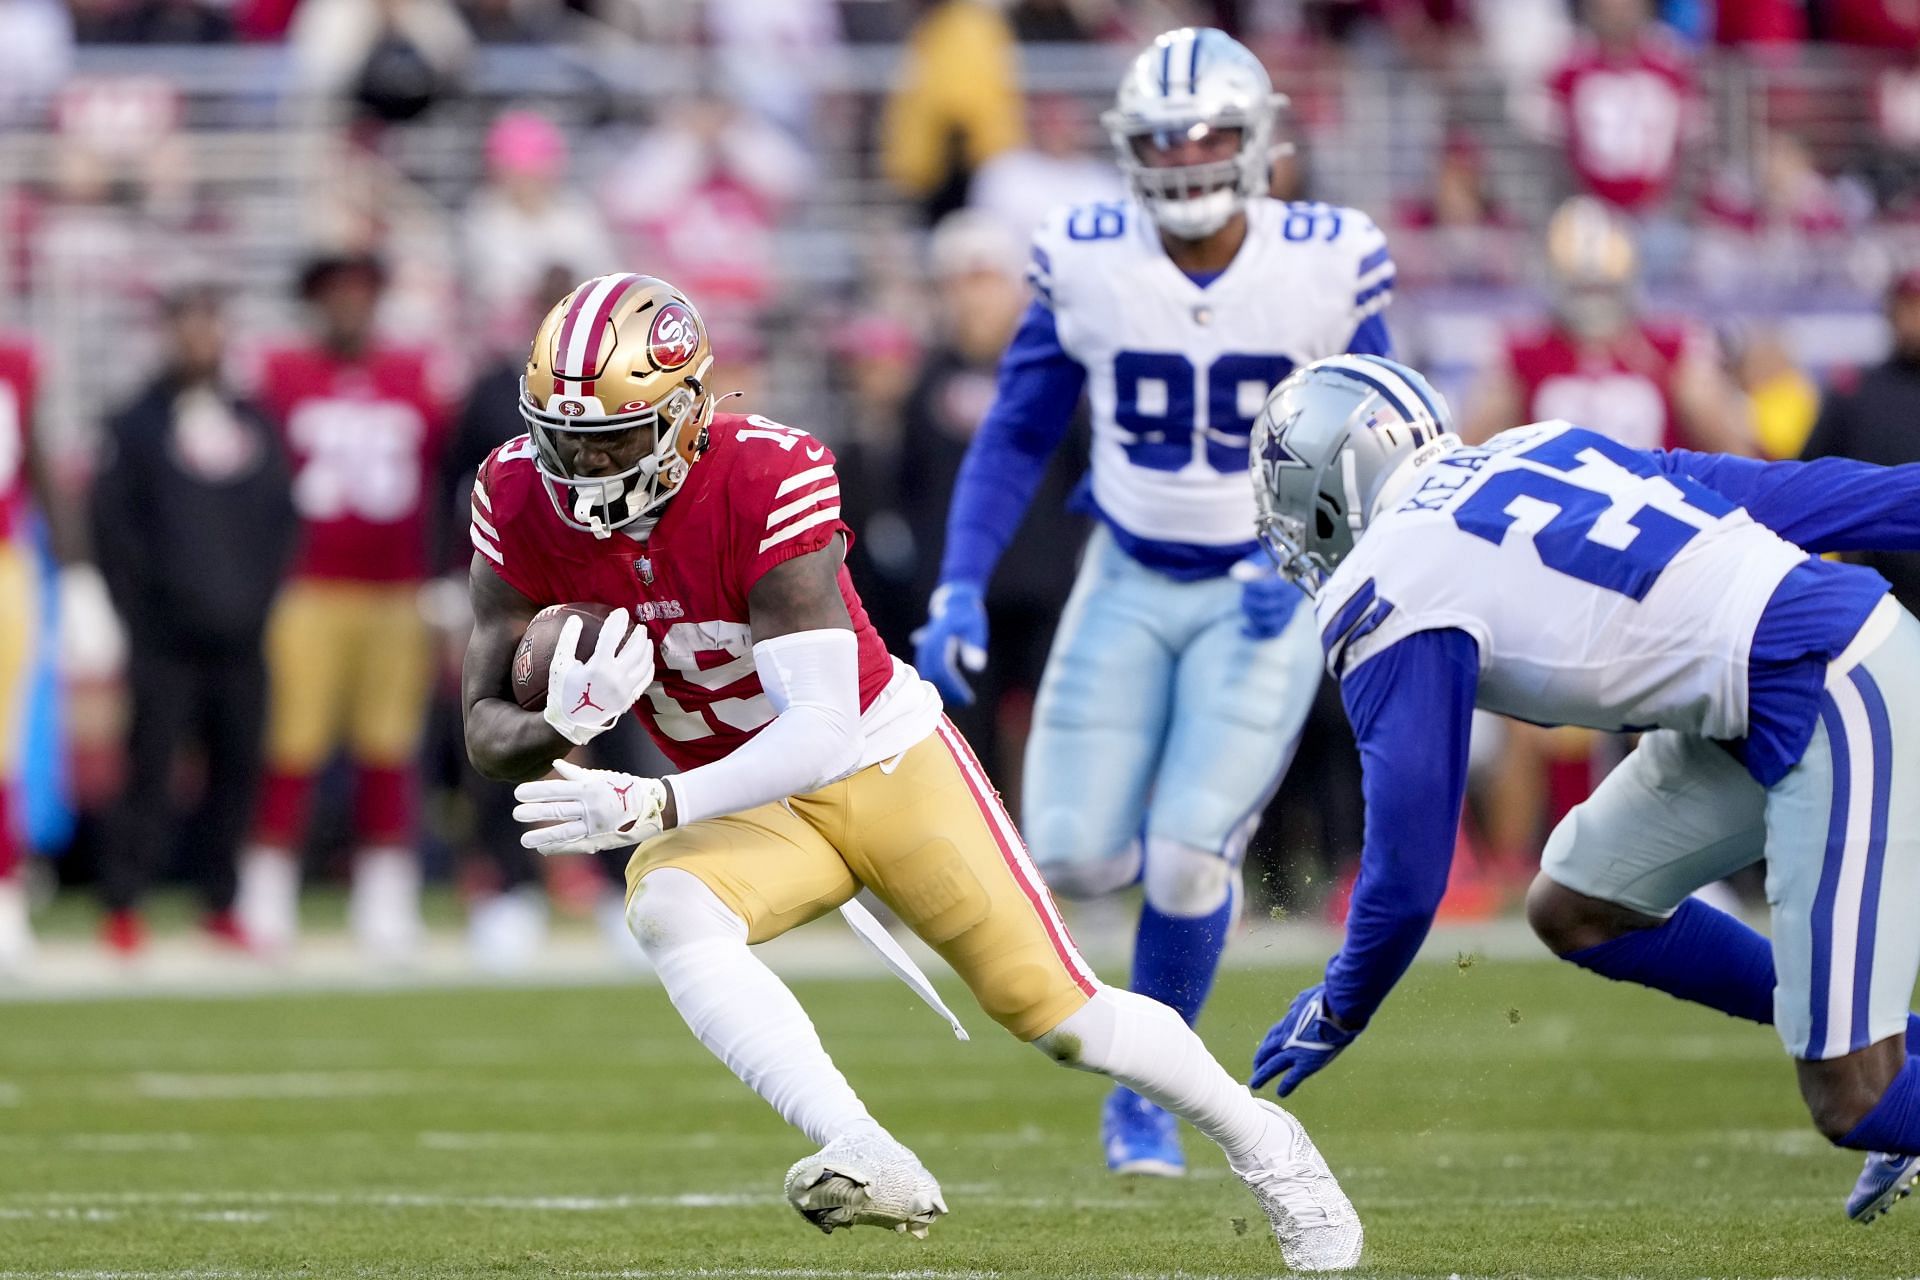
(1275, 452)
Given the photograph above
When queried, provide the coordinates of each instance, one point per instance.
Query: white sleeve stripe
(794, 508)
(1373, 306)
(480, 523)
(485, 548)
(800, 526)
(1374, 277)
(793, 482)
(480, 496)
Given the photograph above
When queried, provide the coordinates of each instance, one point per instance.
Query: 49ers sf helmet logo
(675, 336)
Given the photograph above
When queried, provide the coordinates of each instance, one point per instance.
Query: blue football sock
(1175, 957)
(1701, 954)
(1893, 1125)
(1913, 1034)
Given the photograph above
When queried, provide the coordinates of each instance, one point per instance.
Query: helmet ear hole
(1326, 518)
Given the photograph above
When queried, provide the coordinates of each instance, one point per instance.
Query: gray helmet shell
(1322, 449)
(1188, 78)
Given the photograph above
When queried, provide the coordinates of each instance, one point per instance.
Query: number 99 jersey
(761, 494)
(1177, 372)
(1601, 590)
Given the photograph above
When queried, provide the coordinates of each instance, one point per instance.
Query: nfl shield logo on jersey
(644, 567)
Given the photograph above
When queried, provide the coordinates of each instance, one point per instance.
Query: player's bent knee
(1185, 881)
(673, 908)
(1084, 878)
(1569, 921)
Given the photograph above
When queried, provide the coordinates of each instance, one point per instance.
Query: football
(535, 654)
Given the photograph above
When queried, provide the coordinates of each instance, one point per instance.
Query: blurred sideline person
(1874, 420)
(1649, 384)
(193, 523)
(1183, 668)
(811, 762)
(975, 263)
(349, 656)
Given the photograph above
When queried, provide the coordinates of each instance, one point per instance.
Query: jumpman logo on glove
(586, 700)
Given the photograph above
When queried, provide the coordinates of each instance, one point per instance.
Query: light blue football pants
(1157, 717)
(1840, 835)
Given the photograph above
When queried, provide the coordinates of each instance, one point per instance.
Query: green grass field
(1499, 1119)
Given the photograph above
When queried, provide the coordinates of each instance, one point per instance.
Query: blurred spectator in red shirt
(524, 219)
(349, 656)
(1020, 187)
(1779, 224)
(699, 197)
(1883, 24)
(1623, 103)
(1759, 22)
(1458, 227)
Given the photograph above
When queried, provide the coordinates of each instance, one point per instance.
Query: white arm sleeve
(813, 680)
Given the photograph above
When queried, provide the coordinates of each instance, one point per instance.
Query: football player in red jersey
(813, 763)
(17, 611)
(349, 656)
(1650, 384)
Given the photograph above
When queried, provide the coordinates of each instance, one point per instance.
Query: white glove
(591, 809)
(585, 698)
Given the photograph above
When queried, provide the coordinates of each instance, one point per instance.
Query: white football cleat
(16, 932)
(865, 1179)
(1312, 1218)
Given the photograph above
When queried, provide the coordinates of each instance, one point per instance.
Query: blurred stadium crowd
(268, 268)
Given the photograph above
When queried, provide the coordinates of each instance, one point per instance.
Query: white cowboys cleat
(865, 1180)
(1311, 1216)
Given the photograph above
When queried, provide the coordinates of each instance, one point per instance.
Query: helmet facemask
(1193, 86)
(601, 504)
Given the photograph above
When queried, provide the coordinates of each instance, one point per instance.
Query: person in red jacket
(1624, 102)
(349, 655)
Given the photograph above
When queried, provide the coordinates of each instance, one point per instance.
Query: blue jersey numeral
(1162, 432)
(1104, 221)
(1565, 543)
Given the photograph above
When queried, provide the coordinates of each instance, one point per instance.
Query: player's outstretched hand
(584, 698)
(589, 810)
(1300, 1043)
(1267, 599)
(955, 637)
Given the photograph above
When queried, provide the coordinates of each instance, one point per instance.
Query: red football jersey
(16, 412)
(760, 495)
(365, 436)
(1623, 389)
(1623, 117)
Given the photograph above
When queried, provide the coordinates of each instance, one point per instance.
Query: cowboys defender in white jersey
(1180, 676)
(1560, 577)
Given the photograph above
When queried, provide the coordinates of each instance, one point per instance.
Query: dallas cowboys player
(1180, 671)
(1557, 576)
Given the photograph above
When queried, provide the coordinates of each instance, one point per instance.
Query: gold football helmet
(1594, 267)
(621, 353)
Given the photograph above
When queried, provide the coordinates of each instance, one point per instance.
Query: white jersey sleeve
(1601, 591)
(1178, 368)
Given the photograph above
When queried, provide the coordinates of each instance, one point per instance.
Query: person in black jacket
(193, 525)
(1873, 421)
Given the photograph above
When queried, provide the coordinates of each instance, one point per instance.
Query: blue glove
(955, 637)
(1300, 1043)
(1267, 599)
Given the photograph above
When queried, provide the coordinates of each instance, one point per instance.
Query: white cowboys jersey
(1601, 591)
(1176, 373)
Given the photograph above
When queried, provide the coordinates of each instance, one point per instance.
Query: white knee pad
(673, 908)
(1093, 877)
(1188, 882)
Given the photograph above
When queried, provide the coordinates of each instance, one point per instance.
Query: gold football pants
(17, 615)
(349, 663)
(927, 834)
